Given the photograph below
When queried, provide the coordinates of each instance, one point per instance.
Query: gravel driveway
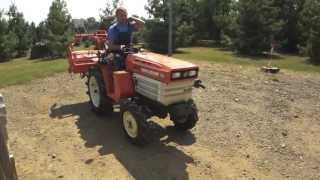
(252, 126)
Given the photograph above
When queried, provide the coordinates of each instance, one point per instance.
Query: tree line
(49, 39)
(249, 27)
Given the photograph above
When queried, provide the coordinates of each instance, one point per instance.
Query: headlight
(192, 73)
(176, 75)
(185, 74)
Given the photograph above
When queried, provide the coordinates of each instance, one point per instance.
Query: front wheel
(184, 116)
(134, 123)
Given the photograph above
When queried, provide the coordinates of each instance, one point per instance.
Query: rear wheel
(134, 123)
(99, 101)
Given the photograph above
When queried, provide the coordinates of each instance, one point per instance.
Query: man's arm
(137, 23)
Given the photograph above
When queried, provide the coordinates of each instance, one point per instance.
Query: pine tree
(185, 14)
(290, 35)
(41, 32)
(33, 33)
(311, 24)
(8, 40)
(257, 26)
(19, 27)
(216, 18)
(58, 25)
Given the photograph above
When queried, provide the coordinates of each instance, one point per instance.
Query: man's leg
(120, 62)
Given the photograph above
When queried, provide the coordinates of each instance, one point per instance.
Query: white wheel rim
(130, 124)
(94, 91)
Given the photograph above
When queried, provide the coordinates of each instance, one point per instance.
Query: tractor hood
(160, 67)
(169, 63)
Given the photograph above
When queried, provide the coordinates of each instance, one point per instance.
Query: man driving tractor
(142, 86)
(120, 34)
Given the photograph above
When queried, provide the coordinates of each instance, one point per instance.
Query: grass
(23, 70)
(217, 55)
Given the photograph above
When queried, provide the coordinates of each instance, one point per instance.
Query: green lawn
(23, 70)
(216, 55)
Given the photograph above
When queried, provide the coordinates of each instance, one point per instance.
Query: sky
(37, 10)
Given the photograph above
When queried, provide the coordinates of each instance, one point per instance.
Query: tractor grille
(164, 93)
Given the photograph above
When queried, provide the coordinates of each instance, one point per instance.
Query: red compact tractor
(149, 85)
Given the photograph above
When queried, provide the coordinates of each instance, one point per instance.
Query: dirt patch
(252, 126)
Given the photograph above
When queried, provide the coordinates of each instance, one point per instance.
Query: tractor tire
(189, 120)
(99, 101)
(134, 123)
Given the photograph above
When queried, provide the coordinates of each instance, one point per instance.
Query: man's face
(121, 16)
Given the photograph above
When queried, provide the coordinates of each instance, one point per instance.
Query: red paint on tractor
(119, 84)
(123, 85)
(156, 66)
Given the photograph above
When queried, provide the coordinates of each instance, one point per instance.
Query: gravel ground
(252, 126)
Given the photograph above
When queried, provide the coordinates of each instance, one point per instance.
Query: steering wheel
(129, 50)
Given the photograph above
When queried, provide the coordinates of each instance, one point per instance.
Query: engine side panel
(164, 93)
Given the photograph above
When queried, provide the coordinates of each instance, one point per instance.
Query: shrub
(156, 36)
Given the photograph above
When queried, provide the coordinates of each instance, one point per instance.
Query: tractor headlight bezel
(176, 75)
(193, 73)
